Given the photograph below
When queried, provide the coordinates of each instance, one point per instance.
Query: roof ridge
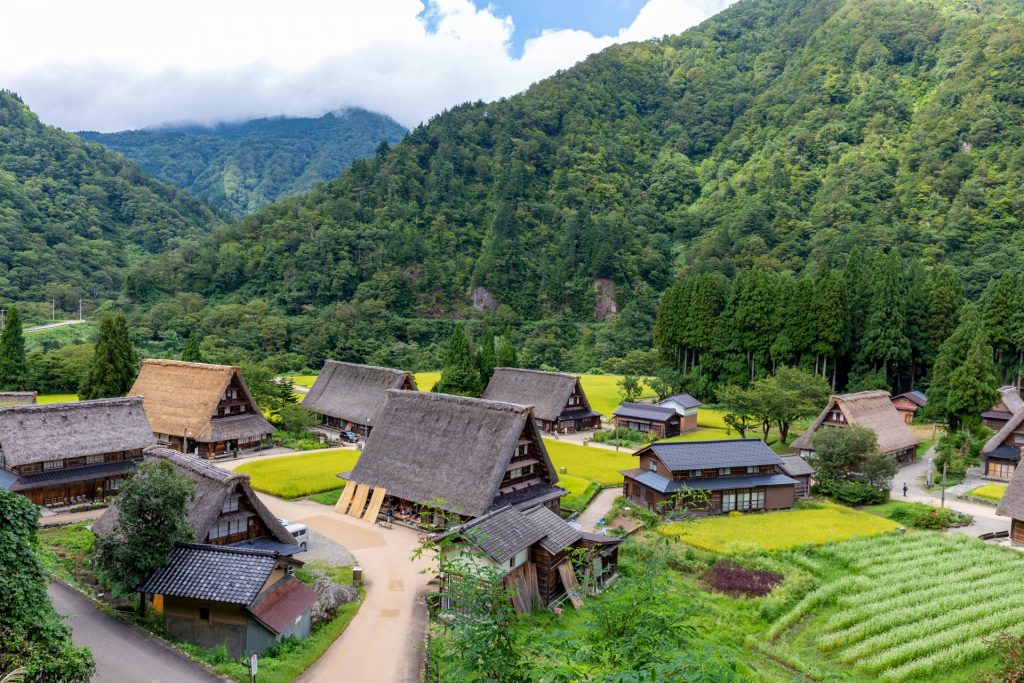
(705, 441)
(71, 405)
(187, 364)
(872, 393)
(368, 367)
(540, 372)
(232, 550)
(461, 400)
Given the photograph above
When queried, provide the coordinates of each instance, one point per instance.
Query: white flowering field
(911, 607)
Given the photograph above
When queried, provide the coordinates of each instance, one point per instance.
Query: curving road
(123, 654)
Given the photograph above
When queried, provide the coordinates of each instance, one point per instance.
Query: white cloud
(123, 64)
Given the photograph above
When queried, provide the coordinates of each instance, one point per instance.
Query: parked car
(300, 533)
(350, 437)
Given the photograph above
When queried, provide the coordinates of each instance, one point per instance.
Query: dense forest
(242, 167)
(767, 142)
(74, 215)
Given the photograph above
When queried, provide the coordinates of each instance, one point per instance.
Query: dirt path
(598, 508)
(383, 641)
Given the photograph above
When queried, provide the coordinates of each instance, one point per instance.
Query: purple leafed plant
(726, 577)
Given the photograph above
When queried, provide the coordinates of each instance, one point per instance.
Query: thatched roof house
(558, 399)
(59, 454)
(198, 407)
(1012, 505)
(223, 510)
(469, 455)
(1001, 453)
(349, 395)
(17, 398)
(1009, 404)
(872, 410)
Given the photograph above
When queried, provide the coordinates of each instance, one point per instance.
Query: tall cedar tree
(486, 358)
(507, 356)
(31, 633)
(755, 301)
(945, 299)
(972, 386)
(856, 276)
(191, 352)
(951, 354)
(916, 319)
(885, 342)
(831, 320)
(998, 315)
(460, 375)
(13, 363)
(114, 364)
(152, 515)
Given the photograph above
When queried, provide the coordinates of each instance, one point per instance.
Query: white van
(298, 531)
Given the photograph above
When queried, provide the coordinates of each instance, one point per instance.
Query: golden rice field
(993, 492)
(776, 530)
(293, 476)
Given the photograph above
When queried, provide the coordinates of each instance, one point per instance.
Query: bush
(623, 436)
(732, 579)
(921, 516)
(850, 492)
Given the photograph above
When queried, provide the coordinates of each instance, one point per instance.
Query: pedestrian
(904, 489)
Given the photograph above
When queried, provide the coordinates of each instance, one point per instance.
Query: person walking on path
(904, 489)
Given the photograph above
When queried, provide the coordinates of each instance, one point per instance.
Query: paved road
(123, 654)
(50, 326)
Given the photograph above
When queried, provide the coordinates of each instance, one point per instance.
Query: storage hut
(686, 407)
(908, 404)
(799, 469)
(661, 421)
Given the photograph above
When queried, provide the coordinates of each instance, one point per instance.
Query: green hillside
(242, 167)
(779, 133)
(73, 215)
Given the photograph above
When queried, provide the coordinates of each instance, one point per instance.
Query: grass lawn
(293, 476)
(992, 492)
(775, 530)
(599, 465)
(327, 497)
(56, 398)
(581, 491)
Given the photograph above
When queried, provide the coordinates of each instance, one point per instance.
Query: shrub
(732, 579)
(851, 492)
(332, 597)
(623, 436)
(921, 516)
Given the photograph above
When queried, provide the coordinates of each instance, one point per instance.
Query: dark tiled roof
(502, 533)
(212, 572)
(282, 604)
(659, 483)
(917, 397)
(268, 544)
(645, 411)
(100, 470)
(1004, 453)
(525, 498)
(694, 455)
(558, 534)
(684, 399)
(795, 466)
(997, 415)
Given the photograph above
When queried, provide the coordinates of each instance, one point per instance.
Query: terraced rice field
(913, 607)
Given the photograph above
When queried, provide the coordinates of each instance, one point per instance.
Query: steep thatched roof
(17, 398)
(180, 395)
(354, 392)
(547, 392)
(212, 487)
(871, 410)
(1010, 400)
(795, 466)
(1003, 434)
(1012, 502)
(435, 447)
(34, 433)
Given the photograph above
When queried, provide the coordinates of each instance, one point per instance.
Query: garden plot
(910, 607)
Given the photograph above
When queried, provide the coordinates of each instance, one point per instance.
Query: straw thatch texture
(35, 433)
(1009, 397)
(18, 398)
(1012, 502)
(212, 487)
(871, 410)
(352, 392)
(180, 395)
(1004, 433)
(547, 392)
(449, 449)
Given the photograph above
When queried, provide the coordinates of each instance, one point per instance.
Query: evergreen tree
(669, 324)
(885, 344)
(998, 316)
(945, 299)
(856, 276)
(191, 352)
(486, 358)
(972, 386)
(114, 364)
(460, 376)
(13, 363)
(951, 354)
(916, 322)
(830, 316)
(755, 302)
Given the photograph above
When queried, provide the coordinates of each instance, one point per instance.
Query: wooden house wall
(1017, 531)
(661, 429)
(549, 583)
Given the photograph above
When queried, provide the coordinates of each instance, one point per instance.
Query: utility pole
(80, 309)
(53, 315)
(3, 317)
(944, 484)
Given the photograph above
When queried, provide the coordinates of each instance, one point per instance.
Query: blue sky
(532, 17)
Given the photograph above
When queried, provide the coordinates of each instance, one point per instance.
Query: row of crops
(911, 606)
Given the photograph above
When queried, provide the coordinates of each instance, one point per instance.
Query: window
(517, 472)
(574, 400)
(697, 473)
(522, 449)
(742, 500)
(113, 484)
(652, 465)
(204, 614)
(53, 464)
(1018, 438)
(752, 469)
(724, 471)
(228, 528)
(91, 459)
(241, 409)
(231, 504)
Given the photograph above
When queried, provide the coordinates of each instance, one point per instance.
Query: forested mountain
(242, 167)
(779, 133)
(74, 215)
